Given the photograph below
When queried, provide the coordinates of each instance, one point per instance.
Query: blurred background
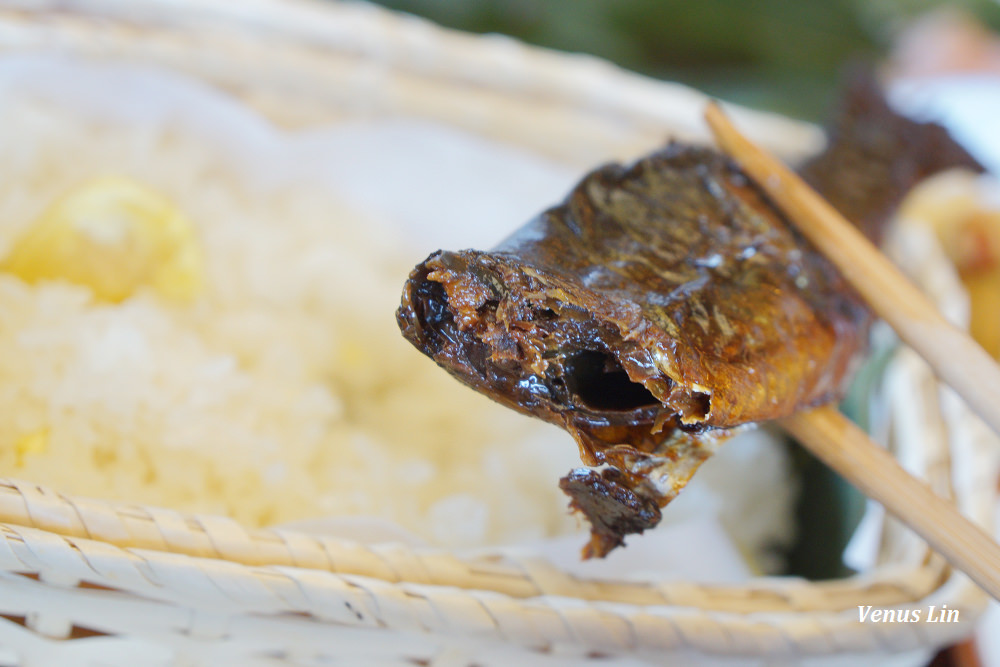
(782, 55)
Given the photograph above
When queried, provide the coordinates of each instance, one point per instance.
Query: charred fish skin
(613, 508)
(669, 294)
(663, 305)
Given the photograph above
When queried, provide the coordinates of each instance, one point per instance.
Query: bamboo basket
(85, 581)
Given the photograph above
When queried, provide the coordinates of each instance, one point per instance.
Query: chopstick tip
(713, 111)
(718, 122)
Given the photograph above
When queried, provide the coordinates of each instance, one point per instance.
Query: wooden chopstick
(840, 444)
(957, 359)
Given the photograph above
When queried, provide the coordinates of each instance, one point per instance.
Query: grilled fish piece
(659, 309)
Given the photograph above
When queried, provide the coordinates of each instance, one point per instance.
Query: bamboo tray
(91, 582)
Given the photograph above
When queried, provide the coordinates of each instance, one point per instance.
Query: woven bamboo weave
(85, 581)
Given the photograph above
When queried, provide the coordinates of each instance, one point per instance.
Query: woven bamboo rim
(163, 576)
